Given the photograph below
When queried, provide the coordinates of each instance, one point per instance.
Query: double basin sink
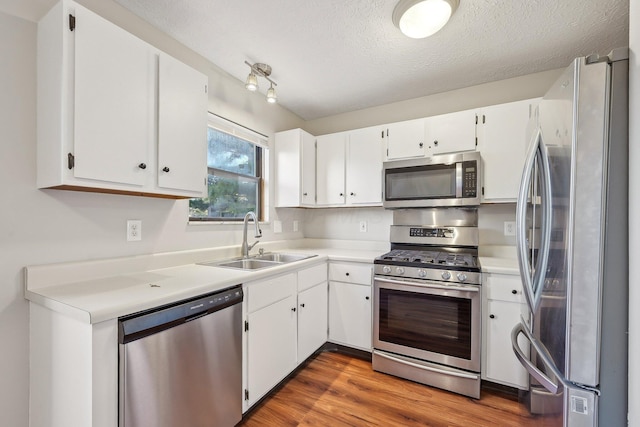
(258, 262)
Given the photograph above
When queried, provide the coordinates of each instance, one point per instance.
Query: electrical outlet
(509, 228)
(363, 226)
(296, 226)
(134, 230)
(277, 226)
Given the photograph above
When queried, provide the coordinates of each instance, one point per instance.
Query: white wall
(515, 89)
(634, 213)
(50, 226)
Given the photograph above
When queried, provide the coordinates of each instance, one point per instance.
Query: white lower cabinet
(312, 320)
(504, 306)
(285, 322)
(350, 314)
(270, 326)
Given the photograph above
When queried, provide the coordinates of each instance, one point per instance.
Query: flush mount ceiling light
(421, 18)
(262, 70)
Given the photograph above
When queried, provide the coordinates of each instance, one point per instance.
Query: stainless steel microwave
(445, 180)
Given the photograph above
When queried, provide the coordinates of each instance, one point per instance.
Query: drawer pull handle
(367, 298)
(293, 309)
(347, 274)
(302, 305)
(492, 316)
(514, 292)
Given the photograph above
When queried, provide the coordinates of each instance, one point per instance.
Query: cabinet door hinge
(387, 152)
(206, 89)
(71, 161)
(383, 134)
(246, 394)
(476, 119)
(72, 22)
(483, 191)
(484, 119)
(476, 141)
(246, 326)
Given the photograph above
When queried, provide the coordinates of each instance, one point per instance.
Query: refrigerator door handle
(535, 372)
(545, 227)
(533, 277)
(521, 221)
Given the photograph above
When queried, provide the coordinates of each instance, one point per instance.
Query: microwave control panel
(469, 179)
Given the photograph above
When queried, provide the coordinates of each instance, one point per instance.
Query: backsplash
(344, 223)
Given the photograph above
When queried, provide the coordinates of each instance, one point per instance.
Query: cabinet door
(271, 346)
(113, 107)
(295, 171)
(312, 320)
(501, 364)
(330, 152)
(308, 173)
(405, 139)
(364, 167)
(502, 141)
(182, 126)
(350, 315)
(453, 132)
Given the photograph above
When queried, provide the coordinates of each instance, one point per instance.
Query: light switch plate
(509, 228)
(296, 227)
(363, 226)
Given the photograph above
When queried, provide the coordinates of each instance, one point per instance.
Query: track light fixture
(262, 70)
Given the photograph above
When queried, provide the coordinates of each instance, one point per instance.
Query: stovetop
(430, 258)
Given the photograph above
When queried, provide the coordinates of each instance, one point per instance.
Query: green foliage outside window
(234, 175)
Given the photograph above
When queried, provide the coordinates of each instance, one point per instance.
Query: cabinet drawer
(312, 276)
(266, 292)
(350, 273)
(503, 287)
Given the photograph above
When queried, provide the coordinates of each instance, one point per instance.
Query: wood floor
(335, 389)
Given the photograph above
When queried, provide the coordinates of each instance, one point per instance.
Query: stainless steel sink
(282, 258)
(258, 262)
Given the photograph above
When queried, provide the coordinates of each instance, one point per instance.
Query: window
(235, 174)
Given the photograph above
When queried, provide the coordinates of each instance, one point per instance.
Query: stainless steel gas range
(427, 300)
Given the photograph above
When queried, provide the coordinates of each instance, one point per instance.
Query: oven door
(427, 320)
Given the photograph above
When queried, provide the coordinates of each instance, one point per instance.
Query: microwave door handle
(521, 221)
(459, 181)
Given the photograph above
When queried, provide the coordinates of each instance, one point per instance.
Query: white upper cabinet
(349, 168)
(182, 109)
(364, 167)
(331, 160)
(110, 105)
(502, 142)
(405, 139)
(452, 132)
(113, 117)
(295, 168)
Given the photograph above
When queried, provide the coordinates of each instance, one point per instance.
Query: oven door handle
(468, 376)
(462, 288)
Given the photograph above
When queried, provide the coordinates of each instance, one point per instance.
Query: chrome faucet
(246, 247)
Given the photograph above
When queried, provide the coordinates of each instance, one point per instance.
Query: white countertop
(69, 288)
(499, 259)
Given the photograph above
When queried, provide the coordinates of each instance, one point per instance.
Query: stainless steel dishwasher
(181, 365)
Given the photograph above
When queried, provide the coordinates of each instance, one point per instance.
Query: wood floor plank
(335, 389)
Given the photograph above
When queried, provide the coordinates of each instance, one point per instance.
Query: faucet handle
(261, 251)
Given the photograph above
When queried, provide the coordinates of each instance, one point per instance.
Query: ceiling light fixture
(262, 70)
(421, 18)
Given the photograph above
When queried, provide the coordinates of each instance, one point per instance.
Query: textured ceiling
(335, 56)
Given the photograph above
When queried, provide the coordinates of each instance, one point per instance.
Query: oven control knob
(386, 269)
(399, 270)
(462, 277)
(422, 273)
(446, 275)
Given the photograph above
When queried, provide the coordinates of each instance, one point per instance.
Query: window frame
(261, 143)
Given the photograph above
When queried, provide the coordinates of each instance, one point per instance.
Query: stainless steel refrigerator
(571, 235)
